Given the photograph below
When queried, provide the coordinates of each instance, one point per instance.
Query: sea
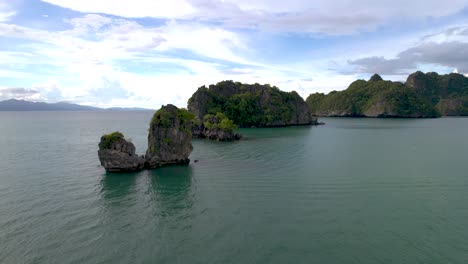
(354, 190)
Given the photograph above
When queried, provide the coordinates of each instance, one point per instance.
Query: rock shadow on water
(172, 190)
(116, 186)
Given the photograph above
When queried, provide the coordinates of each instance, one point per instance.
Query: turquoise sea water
(352, 191)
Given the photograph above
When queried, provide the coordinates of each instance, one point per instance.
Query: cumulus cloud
(106, 60)
(43, 93)
(321, 16)
(446, 49)
(17, 93)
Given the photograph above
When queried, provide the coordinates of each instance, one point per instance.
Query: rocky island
(118, 155)
(422, 96)
(215, 127)
(373, 98)
(447, 93)
(169, 142)
(245, 105)
(170, 137)
(214, 113)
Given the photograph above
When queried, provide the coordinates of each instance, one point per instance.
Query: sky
(147, 53)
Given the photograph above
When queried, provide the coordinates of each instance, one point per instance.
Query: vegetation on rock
(165, 118)
(250, 105)
(108, 139)
(423, 95)
(219, 121)
(448, 93)
(169, 138)
(374, 98)
(118, 155)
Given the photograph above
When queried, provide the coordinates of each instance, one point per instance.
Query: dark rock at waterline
(221, 135)
(215, 127)
(118, 155)
(216, 134)
(170, 137)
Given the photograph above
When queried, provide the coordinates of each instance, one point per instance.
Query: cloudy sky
(145, 53)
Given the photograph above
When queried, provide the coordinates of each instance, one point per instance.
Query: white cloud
(135, 8)
(6, 12)
(5, 16)
(446, 49)
(89, 59)
(17, 93)
(321, 16)
(89, 21)
(92, 62)
(207, 41)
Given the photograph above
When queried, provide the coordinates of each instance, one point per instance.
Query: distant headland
(421, 96)
(22, 105)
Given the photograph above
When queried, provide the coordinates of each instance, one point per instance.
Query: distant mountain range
(22, 105)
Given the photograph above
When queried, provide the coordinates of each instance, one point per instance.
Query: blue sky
(146, 53)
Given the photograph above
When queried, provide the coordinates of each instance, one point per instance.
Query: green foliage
(162, 117)
(108, 139)
(314, 101)
(244, 109)
(165, 118)
(392, 97)
(247, 105)
(227, 125)
(184, 115)
(196, 122)
(219, 121)
(448, 93)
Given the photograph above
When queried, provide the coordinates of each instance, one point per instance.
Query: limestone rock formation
(449, 93)
(453, 107)
(170, 137)
(373, 98)
(251, 105)
(375, 78)
(216, 127)
(118, 155)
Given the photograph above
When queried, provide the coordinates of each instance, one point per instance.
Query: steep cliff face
(449, 93)
(251, 105)
(170, 137)
(118, 155)
(453, 107)
(373, 98)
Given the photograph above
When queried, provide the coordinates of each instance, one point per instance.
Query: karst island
(214, 113)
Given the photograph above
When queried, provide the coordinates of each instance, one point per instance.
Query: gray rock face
(118, 155)
(221, 135)
(216, 127)
(453, 107)
(200, 131)
(301, 115)
(375, 78)
(170, 137)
